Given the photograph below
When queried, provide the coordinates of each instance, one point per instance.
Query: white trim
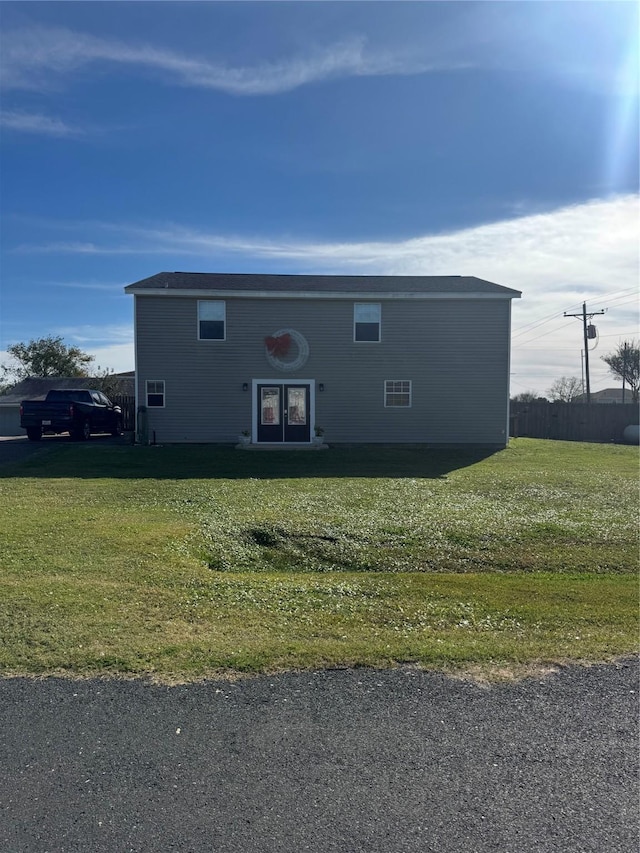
(410, 381)
(136, 375)
(506, 438)
(164, 393)
(205, 294)
(281, 380)
(355, 322)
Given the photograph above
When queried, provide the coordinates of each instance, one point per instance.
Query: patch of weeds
(463, 539)
(184, 560)
(267, 536)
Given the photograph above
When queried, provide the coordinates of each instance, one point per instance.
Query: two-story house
(388, 359)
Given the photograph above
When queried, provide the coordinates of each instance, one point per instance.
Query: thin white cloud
(111, 346)
(557, 259)
(74, 247)
(581, 246)
(37, 123)
(594, 50)
(588, 46)
(97, 335)
(117, 358)
(114, 288)
(31, 57)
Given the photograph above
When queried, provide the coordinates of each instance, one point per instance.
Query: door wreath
(277, 349)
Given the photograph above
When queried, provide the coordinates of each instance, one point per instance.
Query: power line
(626, 302)
(589, 332)
(547, 319)
(611, 297)
(523, 344)
(543, 335)
(535, 325)
(608, 296)
(558, 328)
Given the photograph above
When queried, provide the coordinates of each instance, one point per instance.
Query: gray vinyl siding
(455, 352)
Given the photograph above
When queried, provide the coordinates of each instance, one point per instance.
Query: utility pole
(589, 333)
(624, 368)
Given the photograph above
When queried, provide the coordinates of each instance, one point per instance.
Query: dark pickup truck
(79, 412)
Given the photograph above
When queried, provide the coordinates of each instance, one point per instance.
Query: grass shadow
(115, 460)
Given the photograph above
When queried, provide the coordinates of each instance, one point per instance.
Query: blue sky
(497, 139)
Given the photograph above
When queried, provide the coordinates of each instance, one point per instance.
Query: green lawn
(185, 562)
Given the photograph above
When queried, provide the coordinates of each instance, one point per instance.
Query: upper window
(211, 320)
(397, 392)
(155, 393)
(366, 321)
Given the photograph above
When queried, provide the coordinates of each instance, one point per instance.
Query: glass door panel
(270, 426)
(270, 406)
(296, 422)
(297, 406)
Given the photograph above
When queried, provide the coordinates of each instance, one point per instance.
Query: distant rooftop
(37, 387)
(607, 395)
(321, 284)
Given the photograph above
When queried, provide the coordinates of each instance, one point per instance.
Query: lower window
(155, 393)
(397, 393)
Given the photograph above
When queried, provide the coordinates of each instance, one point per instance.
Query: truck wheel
(34, 433)
(117, 429)
(81, 433)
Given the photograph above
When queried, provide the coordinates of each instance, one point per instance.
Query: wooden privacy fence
(560, 421)
(572, 421)
(128, 406)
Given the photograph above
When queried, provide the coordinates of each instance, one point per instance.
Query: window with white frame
(155, 393)
(397, 393)
(367, 321)
(211, 320)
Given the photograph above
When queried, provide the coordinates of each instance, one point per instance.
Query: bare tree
(624, 364)
(565, 389)
(106, 381)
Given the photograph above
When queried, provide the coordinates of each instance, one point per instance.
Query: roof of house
(320, 285)
(37, 387)
(607, 394)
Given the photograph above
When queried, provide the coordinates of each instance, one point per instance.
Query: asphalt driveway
(395, 761)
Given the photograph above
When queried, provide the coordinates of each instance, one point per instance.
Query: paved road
(351, 761)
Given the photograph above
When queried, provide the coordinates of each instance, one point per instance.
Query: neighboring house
(36, 388)
(607, 395)
(389, 359)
